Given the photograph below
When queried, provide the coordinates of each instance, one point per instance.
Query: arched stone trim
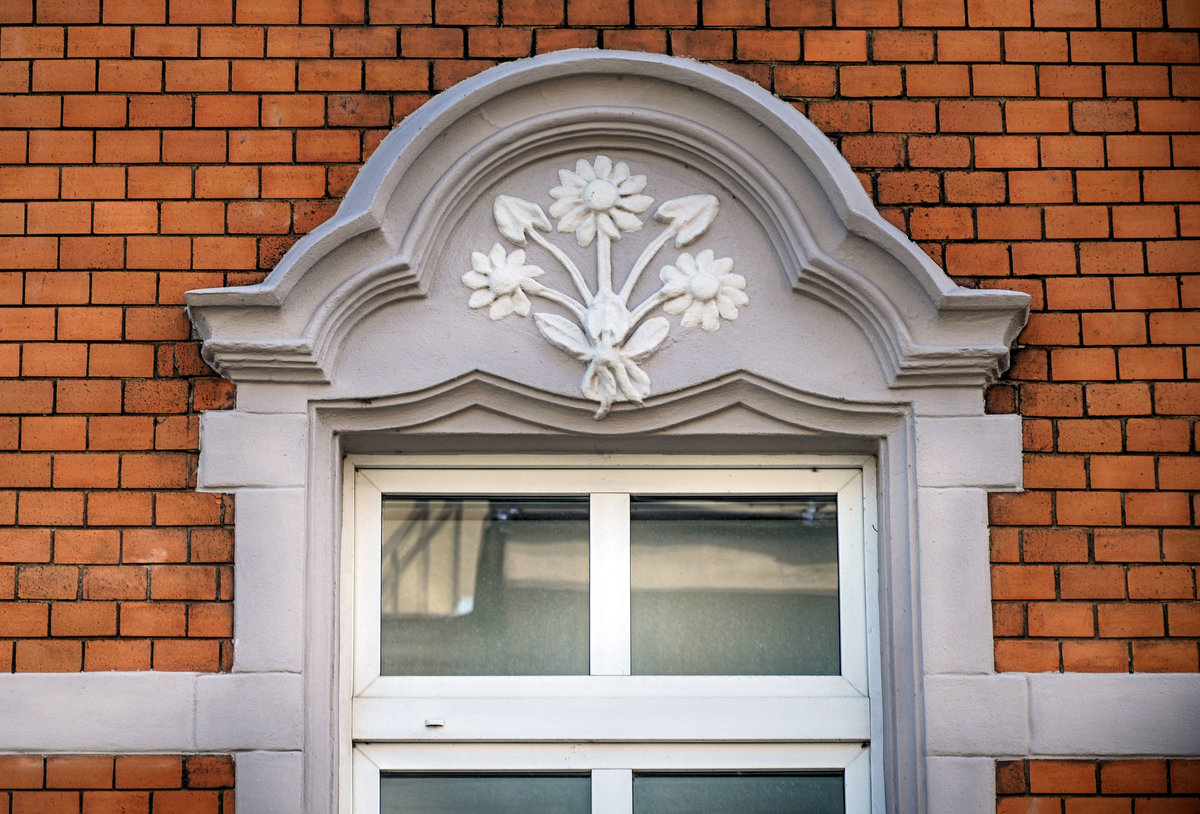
(361, 341)
(385, 240)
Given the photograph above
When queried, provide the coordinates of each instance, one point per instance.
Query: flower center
(704, 286)
(599, 195)
(505, 280)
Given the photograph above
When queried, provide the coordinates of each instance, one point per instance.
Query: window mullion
(612, 791)
(609, 606)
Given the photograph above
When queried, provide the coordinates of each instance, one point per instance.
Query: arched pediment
(708, 174)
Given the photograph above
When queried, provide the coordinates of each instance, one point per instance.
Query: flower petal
(691, 317)
(584, 170)
(732, 281)
(721, 266)
(606, 225)
(632, 185)
(502, 307)
(625, 221)
(497, 256)
(570, 179)
(603, 166)
(710, 319)
(481, 297)
(573, 219)
(474, 279)
(705, 259)
(619, 174)
(635, 203)
(529, 272)
(726, 308)
(480, 263)
(520, 303)
(564, 205)
(733, 295)
(586, 232)
(687, 264)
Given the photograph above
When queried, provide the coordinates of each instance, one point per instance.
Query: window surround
(360, 343)
(609, 711)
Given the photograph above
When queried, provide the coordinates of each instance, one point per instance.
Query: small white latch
(433, 723)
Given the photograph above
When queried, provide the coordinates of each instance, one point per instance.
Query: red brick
(1125, 620)
(188, 509)
(1026, 656)
(83, 619)
(1062, 776)
(1161, 582)
(153, 619)
(194, 655)
(1091, 582)
(21, 771)
(1095, 657)
(1184, 619)
(1060, 619)
(114, 582)
(116, 654)
(90, 396)
(1157, 509)
(209, 771)
(1151, 363)
(154, 544)
(148, 772)
(1022, 582)
(1165, 657)
(835, 46)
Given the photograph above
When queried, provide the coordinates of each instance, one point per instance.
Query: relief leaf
(564, 334)
(515, 216)
(690, 215)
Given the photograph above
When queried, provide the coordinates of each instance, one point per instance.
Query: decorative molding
(386, 243)
(598, 201)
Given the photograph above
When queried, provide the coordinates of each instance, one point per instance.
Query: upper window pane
(749, 793)
(734, 587)
(484, 587)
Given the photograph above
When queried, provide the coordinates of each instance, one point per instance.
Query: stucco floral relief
(598, 201)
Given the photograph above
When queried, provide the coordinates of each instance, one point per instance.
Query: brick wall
(149, 147)
(129, 784)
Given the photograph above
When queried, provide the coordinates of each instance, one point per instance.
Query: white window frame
(611, 723)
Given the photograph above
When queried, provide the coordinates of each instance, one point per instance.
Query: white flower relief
(703, 290)
(603, 200)
(500, 280)
(600, 198)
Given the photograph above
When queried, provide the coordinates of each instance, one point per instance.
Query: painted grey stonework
(853, 341)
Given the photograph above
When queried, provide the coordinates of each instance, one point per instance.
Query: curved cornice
(382, 244)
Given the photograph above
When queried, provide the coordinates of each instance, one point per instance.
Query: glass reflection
(484, 587)
(734, 587)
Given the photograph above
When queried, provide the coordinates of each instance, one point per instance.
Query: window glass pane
(734, 587)
(484, 587)
(484, 794)
(742, 793)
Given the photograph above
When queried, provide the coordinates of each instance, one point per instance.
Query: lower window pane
(734, 587)
(749, 793)
(484, 587)
(485, 794)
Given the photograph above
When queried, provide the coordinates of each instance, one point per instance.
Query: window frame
(547, 719)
